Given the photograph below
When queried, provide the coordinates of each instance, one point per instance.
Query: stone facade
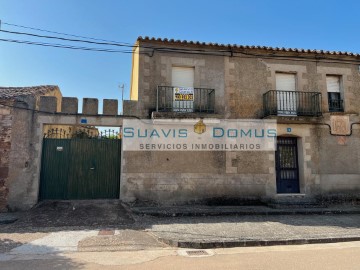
(240, 75)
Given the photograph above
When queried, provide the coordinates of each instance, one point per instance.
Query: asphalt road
(321, 256)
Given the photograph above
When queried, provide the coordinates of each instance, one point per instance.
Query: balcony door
(183, 81)
(285, 94)
(334, 95)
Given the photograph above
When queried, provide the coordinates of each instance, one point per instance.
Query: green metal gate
(80, 168)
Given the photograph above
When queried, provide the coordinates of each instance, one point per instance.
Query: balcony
(292, 103)
(336, 105)
(185, 100)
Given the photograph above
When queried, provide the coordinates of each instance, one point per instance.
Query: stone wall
(5, 146)
(23, 161)
(327, 166)
(156, 71)
(17, 123)
(240, 81)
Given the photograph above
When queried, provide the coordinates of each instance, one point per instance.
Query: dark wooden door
(287, 169)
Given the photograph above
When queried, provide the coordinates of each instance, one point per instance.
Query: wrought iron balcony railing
(292, 103)
(185, 100)
(336, 105)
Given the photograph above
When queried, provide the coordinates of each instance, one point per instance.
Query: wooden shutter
(333, 83)
(286, 95)
(183, 76)
(285, 82)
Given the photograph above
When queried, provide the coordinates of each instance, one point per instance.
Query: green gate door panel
(93, 170)
(104, 168)
(54, 169)
(80, 175)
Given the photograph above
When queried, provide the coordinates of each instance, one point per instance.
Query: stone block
(146, 72)
(4, 172)
(4, 111)
(305, 76)
(6, 121)
(48, 104)
(90, 106)
(69, 105)
(130, 107)
(110, 106)
(146, 86)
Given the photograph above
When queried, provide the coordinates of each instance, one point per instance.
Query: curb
(254, 243)
(246, 213)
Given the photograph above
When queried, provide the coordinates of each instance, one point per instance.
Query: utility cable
(67, 39)
(180, 50)
(56, 45)
(104, 43)
(59, 33)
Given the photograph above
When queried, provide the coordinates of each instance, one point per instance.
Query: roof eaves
(251, 47)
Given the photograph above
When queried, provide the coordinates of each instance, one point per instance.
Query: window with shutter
(334, 94)
(286, 95)
(182, 77)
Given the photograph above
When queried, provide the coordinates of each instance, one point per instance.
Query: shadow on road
(106, 214)
(52, 216)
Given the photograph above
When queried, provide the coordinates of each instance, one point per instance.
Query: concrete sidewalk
(253, 230)
(108, 226)
(201, 226)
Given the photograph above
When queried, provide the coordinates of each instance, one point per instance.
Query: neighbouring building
(16, 145)
(313, 95)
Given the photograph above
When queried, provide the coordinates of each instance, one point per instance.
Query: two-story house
(313, 96)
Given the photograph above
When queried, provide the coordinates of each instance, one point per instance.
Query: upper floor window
(333, 84)
(182, 80)
(286, 94)
(182, 76)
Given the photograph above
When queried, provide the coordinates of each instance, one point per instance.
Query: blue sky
(329, 25)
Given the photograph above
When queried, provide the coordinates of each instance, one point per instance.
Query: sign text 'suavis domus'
(199, 135)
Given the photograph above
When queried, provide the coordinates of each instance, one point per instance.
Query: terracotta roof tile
(12, 92)
(236, 46)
